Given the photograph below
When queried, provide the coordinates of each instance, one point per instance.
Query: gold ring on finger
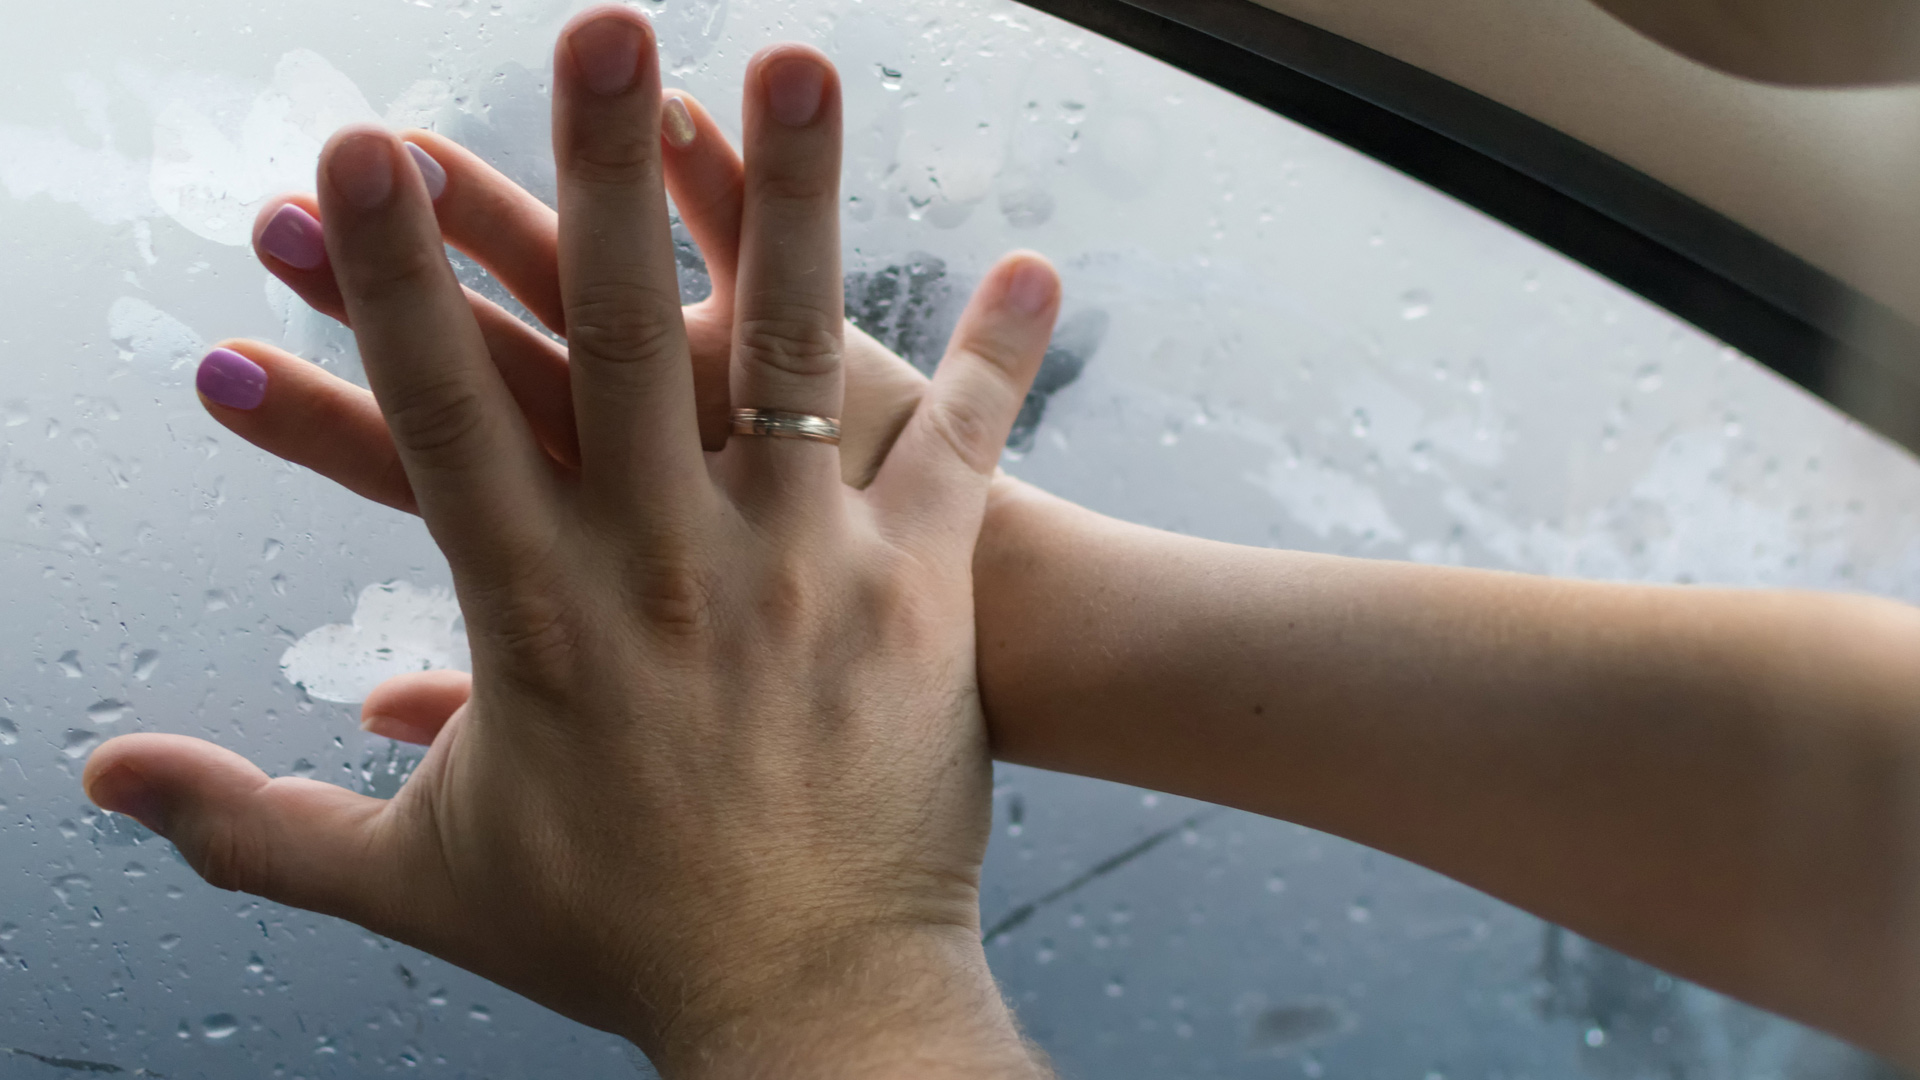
(786, 425)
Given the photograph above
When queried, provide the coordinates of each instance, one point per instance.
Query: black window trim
(1695, 262)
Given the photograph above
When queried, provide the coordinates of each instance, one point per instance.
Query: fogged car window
(1267, 339)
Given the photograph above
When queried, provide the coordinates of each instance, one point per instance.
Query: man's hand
(313, 418)
(722, 782)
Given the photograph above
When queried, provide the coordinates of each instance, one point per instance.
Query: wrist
(883, 1002)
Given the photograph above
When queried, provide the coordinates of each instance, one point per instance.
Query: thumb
(414, 707)
(954, 439)
(290, 840)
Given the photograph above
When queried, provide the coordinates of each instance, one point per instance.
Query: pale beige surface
(1829, 174)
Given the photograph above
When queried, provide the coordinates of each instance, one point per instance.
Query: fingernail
(123, 791)
(362, 170)
(227, 378)
(430, 170)
(398, 730)
(607, 52)
(1031, 288)
(795, 85)
(677, 123)
(294, 237)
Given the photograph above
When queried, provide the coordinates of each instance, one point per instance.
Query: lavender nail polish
(227, 378)
(293, 236)
(430, 170)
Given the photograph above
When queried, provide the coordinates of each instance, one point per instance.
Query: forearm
(1724, 783)
(1789, 41)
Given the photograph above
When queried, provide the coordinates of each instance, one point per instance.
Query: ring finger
(787, 331)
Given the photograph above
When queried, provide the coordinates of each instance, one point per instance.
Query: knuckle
(788, 592)
(529, 623)
(1002, 360)
(794, 191)
(228, 857)
(371, 280)
(621, 324)
(677, 595)
(797, 339)
(964, 428)
(437, 421)
(618, 156)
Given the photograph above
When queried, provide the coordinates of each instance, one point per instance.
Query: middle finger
(632, 375)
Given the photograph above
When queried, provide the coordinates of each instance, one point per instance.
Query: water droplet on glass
(1417, 304)
(144, 662)
(9, 732)
(220, 1025)
(70, 664)
(1596, 1037)
(1648, 378)
(1362, 423)
(79, 743)
(65, 886)
(168, 941)
(889, 77)
(303, 768)
(480, 1014)
(1358, 912)
(15, 413)
(1276, 884)
(1026, 207)
(271, 550)
(110, 711)
(217, 600)
(1115, 988)
(135, 870)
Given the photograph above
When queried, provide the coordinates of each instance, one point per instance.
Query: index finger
(470, 459)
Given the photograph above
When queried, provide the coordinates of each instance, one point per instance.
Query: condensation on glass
(1267, 339)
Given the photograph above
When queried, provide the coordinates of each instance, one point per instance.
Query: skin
(1725, 783)
(1794, 42)
(721, 784)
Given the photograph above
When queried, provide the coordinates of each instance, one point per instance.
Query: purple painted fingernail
(227, 378)
(293, 236)
(430, 170)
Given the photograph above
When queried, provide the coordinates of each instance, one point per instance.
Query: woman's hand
(722, 782)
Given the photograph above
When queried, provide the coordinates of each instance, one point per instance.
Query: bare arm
(1810, 42)
(1724, 783)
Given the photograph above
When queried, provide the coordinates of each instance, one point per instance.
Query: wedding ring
(786, 425)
